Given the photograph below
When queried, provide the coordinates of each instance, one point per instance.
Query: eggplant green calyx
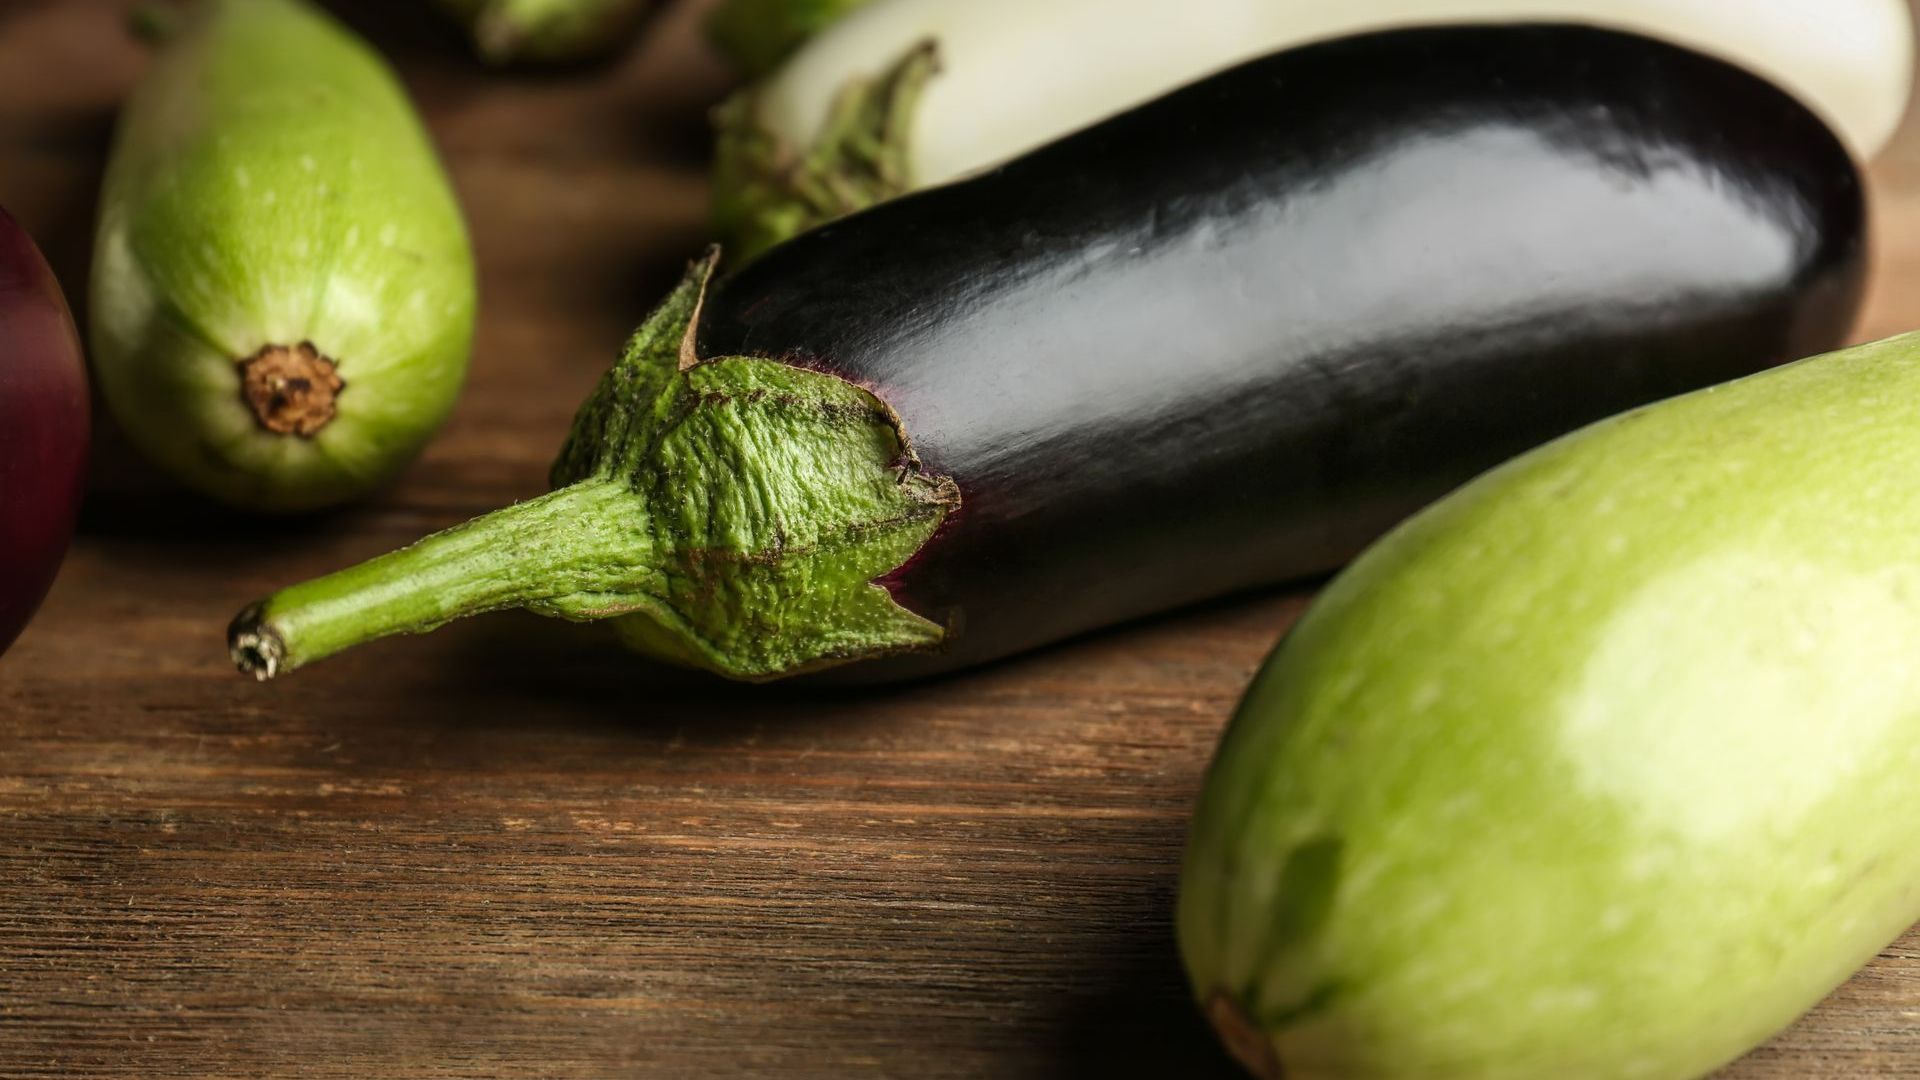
(729, 513)
(766, 190)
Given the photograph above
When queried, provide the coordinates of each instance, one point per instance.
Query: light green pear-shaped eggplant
(283, 291)
(1602, 766)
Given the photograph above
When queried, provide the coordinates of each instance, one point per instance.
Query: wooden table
(502, 850)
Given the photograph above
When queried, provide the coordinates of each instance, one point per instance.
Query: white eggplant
(859, 113)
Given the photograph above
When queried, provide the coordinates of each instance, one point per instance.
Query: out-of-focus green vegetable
(1600, 767)
(547, 31)
(283, 292)
(757, 34)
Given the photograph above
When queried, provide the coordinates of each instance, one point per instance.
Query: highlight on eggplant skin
(1195, 349)
(1188, 351)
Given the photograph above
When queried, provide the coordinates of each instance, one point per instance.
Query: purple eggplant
(43, 427)
(1219, 341)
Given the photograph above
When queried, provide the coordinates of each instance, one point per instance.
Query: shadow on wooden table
(1145, 1026)
(1121, 1008)
(582, 674)
(515, 660)
(64, 230)
(411, 36)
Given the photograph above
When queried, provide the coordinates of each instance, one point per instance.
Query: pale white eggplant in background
(867, 110)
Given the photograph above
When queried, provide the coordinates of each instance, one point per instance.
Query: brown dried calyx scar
(290, 390)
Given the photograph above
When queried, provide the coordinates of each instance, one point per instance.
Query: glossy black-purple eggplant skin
(1230, 337)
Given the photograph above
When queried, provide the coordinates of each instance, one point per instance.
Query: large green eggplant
(1602, 766)
(283, 292)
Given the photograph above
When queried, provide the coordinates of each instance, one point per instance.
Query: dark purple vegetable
(1222, 340)
(1231, 337)
(43, 427)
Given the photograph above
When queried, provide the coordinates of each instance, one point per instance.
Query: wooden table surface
(506, 850)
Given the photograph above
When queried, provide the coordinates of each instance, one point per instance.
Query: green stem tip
(255, 647)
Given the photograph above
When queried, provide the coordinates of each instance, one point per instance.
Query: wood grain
(505, 849)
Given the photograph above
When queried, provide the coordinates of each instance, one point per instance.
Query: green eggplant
(547, 31)
(756, 35)
(283, 289)
(1601, 766)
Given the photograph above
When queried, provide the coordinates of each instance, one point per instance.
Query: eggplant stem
(255, 648)
(589, 539)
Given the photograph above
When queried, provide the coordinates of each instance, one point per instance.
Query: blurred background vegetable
(547, 31)
(1186, 351)
(1601, 766)
(858, 114)
(757, 34)
(283, 292)
(43, 427)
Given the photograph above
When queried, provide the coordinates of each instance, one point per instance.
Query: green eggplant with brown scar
(283, 290)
